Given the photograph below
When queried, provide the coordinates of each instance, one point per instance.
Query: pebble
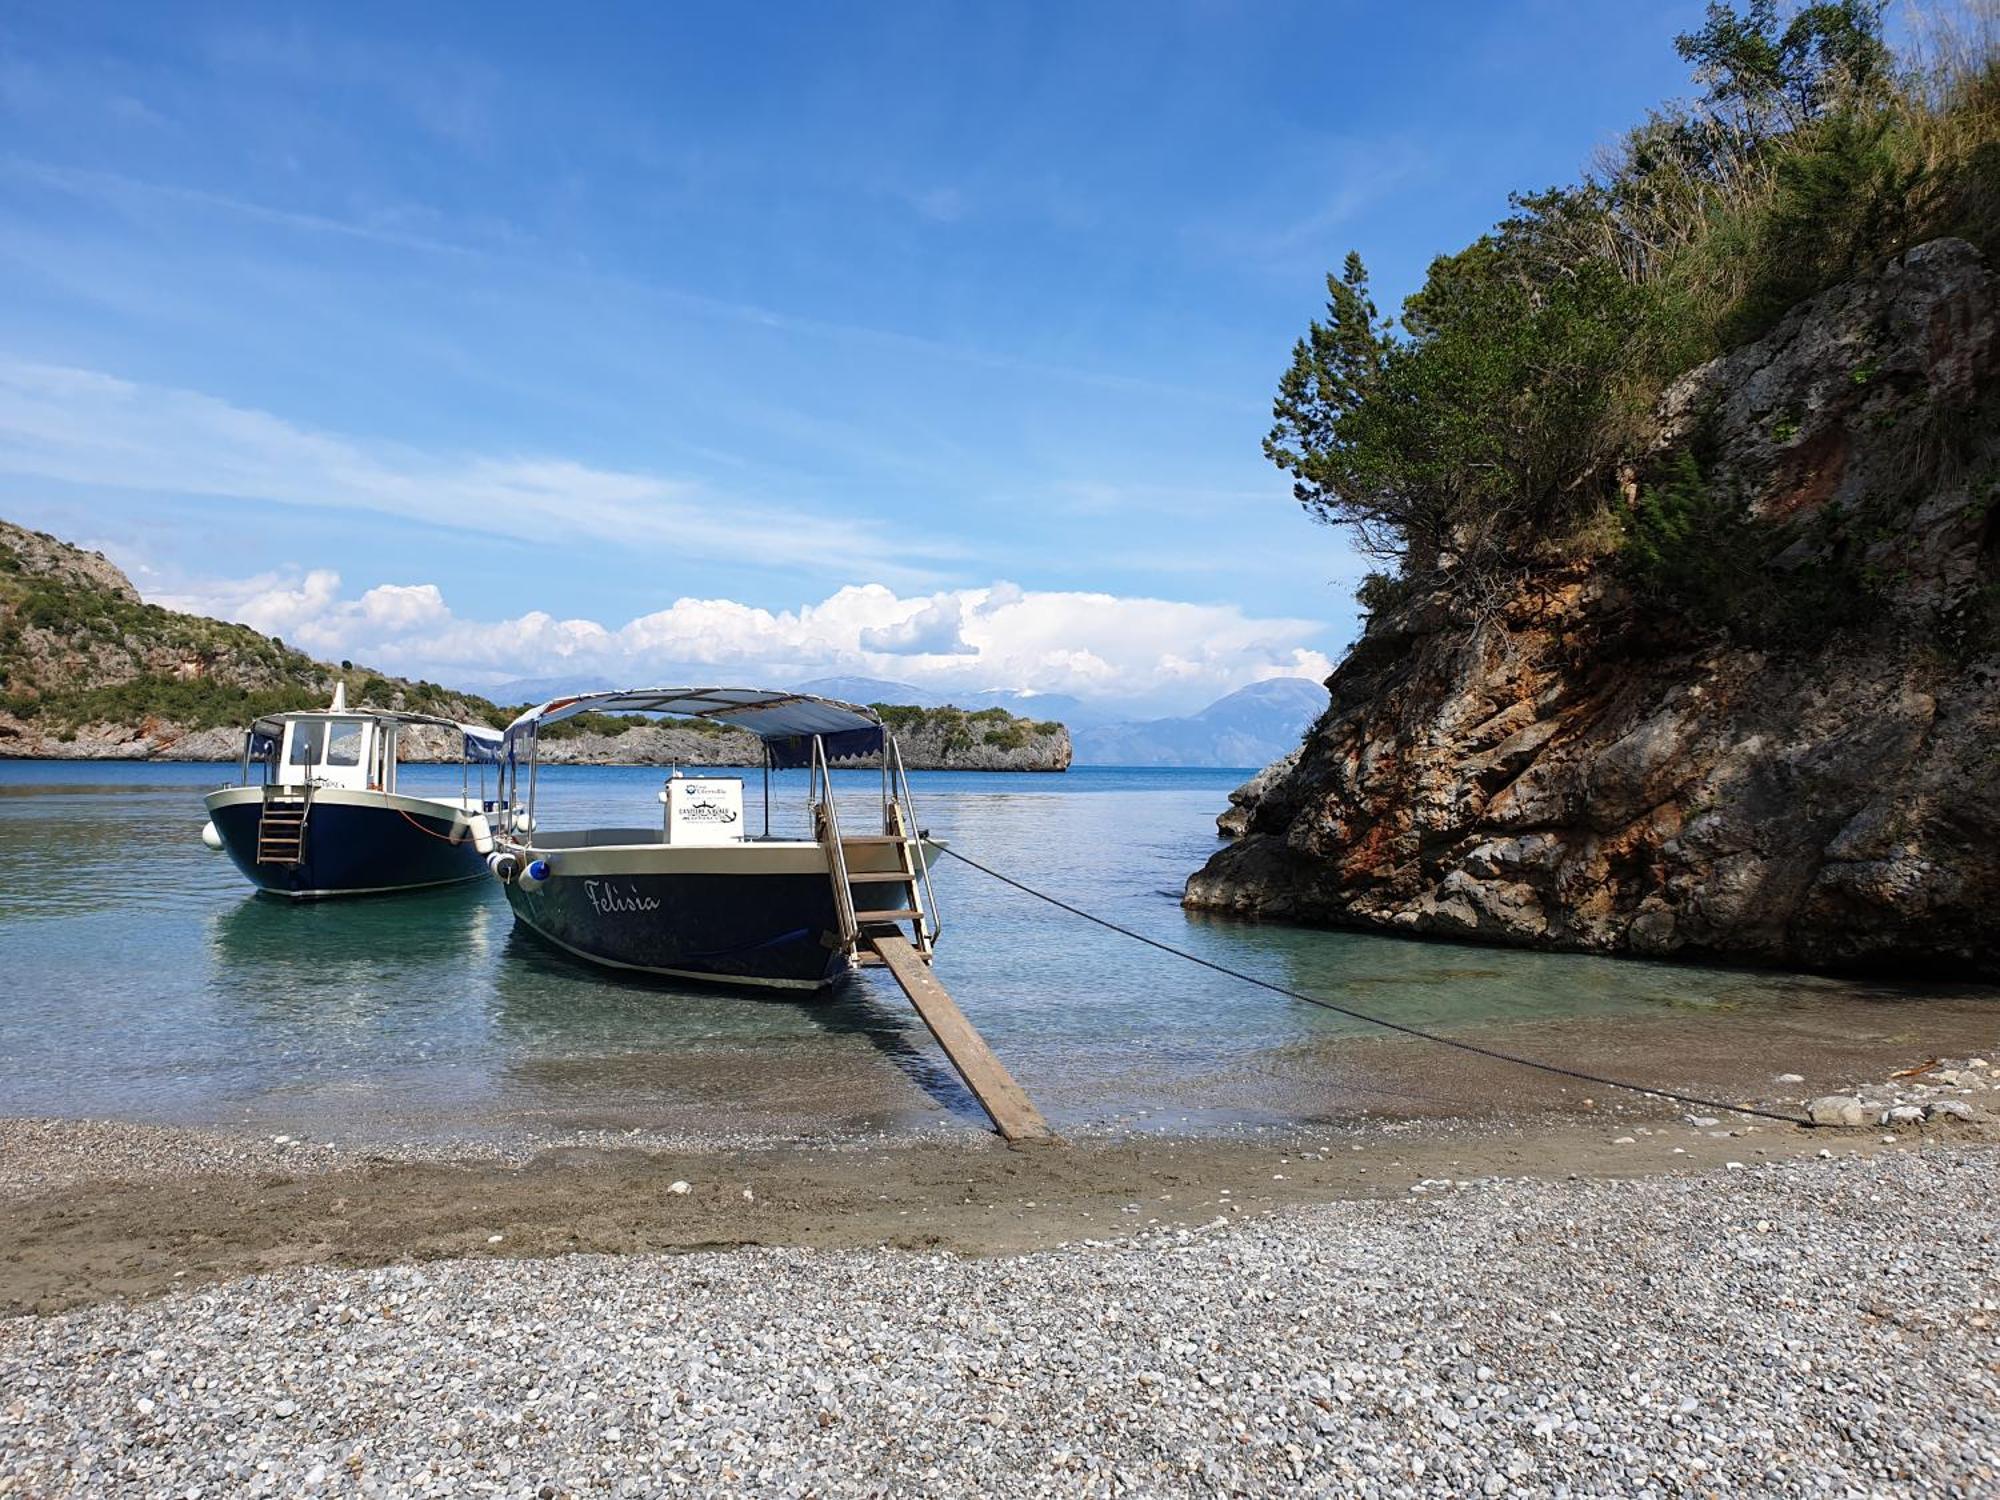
(1840, 1109)
(1366, 1347)
(678, 1186)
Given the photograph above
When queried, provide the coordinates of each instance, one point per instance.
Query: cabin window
(308, 739)
(343, 742)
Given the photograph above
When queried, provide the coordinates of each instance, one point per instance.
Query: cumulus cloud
(1101, 646)
(931, 631)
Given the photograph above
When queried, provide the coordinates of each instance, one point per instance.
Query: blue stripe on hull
(731, 929)
(352, 851)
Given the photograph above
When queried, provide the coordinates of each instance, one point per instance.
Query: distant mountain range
(1250, 727)
(1253, 726)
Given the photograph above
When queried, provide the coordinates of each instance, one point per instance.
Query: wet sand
(97, 1210)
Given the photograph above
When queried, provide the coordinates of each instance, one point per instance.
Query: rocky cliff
(1581, 766)
(946, 739)
(90, 671)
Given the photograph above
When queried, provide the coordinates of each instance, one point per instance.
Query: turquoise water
(145, 981)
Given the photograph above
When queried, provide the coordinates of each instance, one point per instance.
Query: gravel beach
(1815, 1327)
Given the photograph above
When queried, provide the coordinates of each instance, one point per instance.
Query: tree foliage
(1492, 421)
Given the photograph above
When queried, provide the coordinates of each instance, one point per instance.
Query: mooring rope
(1383, 1021)
(443, 838)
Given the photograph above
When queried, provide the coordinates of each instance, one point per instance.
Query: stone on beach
(1841, 1109)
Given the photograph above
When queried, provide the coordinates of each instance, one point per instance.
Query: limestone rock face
(1234, 821)
(1566, 772)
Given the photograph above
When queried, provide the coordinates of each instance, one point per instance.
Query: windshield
(343, 742)
(308, 739)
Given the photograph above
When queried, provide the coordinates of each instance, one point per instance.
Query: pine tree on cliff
(1335, 368)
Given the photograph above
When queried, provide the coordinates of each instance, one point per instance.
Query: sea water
(144, 980)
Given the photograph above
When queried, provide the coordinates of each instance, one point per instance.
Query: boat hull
(771, 930)
(356, 844)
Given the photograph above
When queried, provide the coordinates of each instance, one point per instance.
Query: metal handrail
(929, 926)
(836, 852)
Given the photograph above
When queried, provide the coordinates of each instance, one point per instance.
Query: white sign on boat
(705, 810)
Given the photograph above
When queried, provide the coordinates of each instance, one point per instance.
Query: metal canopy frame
(768, 713)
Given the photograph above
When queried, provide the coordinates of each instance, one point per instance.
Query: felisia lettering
(606, 899)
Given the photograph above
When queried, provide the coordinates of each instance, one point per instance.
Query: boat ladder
(281, 825)
(888, 896)
(878, 878)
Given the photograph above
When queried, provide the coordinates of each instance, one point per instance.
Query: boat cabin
(355, 750)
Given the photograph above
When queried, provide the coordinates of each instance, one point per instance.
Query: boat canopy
(785, 722)
(482, 742)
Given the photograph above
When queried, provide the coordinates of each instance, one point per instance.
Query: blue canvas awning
(482, 744)
(785, 722)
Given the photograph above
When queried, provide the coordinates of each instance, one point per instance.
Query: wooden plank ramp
(1013, 1113)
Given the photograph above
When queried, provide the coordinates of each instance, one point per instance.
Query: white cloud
(933, 630)
(86, 427)
(1152, 653)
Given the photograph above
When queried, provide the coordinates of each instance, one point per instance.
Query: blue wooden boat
(316, 810)
(695, 895)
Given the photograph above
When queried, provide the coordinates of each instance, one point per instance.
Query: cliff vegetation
(1505, 421)
(1685, 486)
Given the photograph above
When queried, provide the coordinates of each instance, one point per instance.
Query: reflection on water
(149, 982)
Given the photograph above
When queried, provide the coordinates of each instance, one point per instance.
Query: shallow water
(147, 982)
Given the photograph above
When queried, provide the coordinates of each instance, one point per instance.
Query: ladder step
(871, 914)
(874, 838)
(880, 877)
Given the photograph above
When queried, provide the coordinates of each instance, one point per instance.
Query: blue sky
(930, 341)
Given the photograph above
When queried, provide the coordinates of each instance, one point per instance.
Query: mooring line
(1361, 1015)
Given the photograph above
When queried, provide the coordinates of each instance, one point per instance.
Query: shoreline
(97, 1210)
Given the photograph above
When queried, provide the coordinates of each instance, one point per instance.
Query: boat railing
(826, 827)
(929, 926)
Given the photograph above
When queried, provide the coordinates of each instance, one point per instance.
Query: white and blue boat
(316, 811)
(696, 895)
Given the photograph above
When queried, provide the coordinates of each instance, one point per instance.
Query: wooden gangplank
(1013, 1113)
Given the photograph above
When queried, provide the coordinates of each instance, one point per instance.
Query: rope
(1429, 1036)
(431, 832)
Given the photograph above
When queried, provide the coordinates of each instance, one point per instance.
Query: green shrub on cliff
(957, 729)
(1485, 428)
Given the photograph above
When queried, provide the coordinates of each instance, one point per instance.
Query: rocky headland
(1569, 766)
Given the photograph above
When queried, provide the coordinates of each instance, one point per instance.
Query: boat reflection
(599, 1048)
(340, 964)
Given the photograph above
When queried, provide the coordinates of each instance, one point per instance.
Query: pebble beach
(1821, 1326)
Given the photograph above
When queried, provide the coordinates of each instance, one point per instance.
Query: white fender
(210, 837)
(503, 867)
(481, 831)
(533, 874)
